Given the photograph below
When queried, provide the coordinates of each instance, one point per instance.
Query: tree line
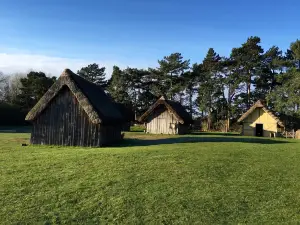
(218, 89)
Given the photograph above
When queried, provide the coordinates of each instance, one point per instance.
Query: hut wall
(126, 126)
(259, 116)
(297, 135)
(162, 122)
(110, 134)
(64, 122)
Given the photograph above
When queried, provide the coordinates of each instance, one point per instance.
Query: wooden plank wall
(64, 122)
(162, 122)
(110, 134)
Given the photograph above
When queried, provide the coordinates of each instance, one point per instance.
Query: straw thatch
(97, 105)
(175, 108)
(259, 104)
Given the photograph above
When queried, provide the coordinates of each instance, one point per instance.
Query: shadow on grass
(176, 140)
(13, 129)
(215, 134)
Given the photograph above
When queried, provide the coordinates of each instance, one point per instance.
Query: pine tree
(272, 65)
(210, 90)
(33, 87)
(94, 74)
(168, 76)
(117, 86)
(286, 95)
(248, 59)
(295, 51)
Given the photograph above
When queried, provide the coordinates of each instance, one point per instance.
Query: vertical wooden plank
(98, 135)
(65, 123)
(32, 133)
(92, 135)
(50, 126)
(73, 125)
(80, 128)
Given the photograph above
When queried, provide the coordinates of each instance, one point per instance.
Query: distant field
(151, 179)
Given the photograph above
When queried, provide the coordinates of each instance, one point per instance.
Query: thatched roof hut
(75, 112)
(259, 121)
(166, 117)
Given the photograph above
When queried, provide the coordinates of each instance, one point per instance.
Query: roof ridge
(259, 104)
(66, 72)
(90, 96)
(180, 113)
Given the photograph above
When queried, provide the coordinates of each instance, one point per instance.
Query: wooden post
(294, 134)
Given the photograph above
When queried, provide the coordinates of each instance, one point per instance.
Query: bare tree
(3, 86)
(15, 86)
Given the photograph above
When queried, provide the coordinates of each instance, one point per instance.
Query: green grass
(152, 179)
(137, 128)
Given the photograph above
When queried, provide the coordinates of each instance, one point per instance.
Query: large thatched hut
(75, 112)
(166, 117)
(261, 122)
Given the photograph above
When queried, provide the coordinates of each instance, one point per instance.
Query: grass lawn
(204, 179)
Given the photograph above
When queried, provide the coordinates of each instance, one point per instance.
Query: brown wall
(64, 122)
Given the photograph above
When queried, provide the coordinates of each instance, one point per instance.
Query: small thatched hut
(259, 121)
(166, 117)
(75, 112)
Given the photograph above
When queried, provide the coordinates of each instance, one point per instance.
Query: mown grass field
(194, 179)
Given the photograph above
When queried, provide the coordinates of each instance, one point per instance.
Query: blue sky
(135, 33)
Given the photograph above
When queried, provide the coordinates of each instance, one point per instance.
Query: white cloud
(22, 63)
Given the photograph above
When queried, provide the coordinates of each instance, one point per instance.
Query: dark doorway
(259, 130)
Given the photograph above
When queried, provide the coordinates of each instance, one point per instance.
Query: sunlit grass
(156, 179)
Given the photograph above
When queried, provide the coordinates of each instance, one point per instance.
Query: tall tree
(3, 86)
(286, 96)
(295, 51)
(14, 87)
(210, 91)
(118, 85)
(231, 87)
(248, 58)
(167, 77)
(139, 81)
(191, 83)
(272, 65)
(94, 74)
(34, 86)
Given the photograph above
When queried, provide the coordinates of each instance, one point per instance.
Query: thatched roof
(126, 112)
(174, 107)
(259, 104)
(91, 97)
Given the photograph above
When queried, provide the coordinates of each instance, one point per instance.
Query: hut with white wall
(166, 117)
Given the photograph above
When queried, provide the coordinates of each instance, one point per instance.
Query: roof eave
(54, 90)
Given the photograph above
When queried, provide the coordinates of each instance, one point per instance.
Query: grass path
(208, 179)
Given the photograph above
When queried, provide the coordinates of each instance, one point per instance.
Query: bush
(11, 115)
